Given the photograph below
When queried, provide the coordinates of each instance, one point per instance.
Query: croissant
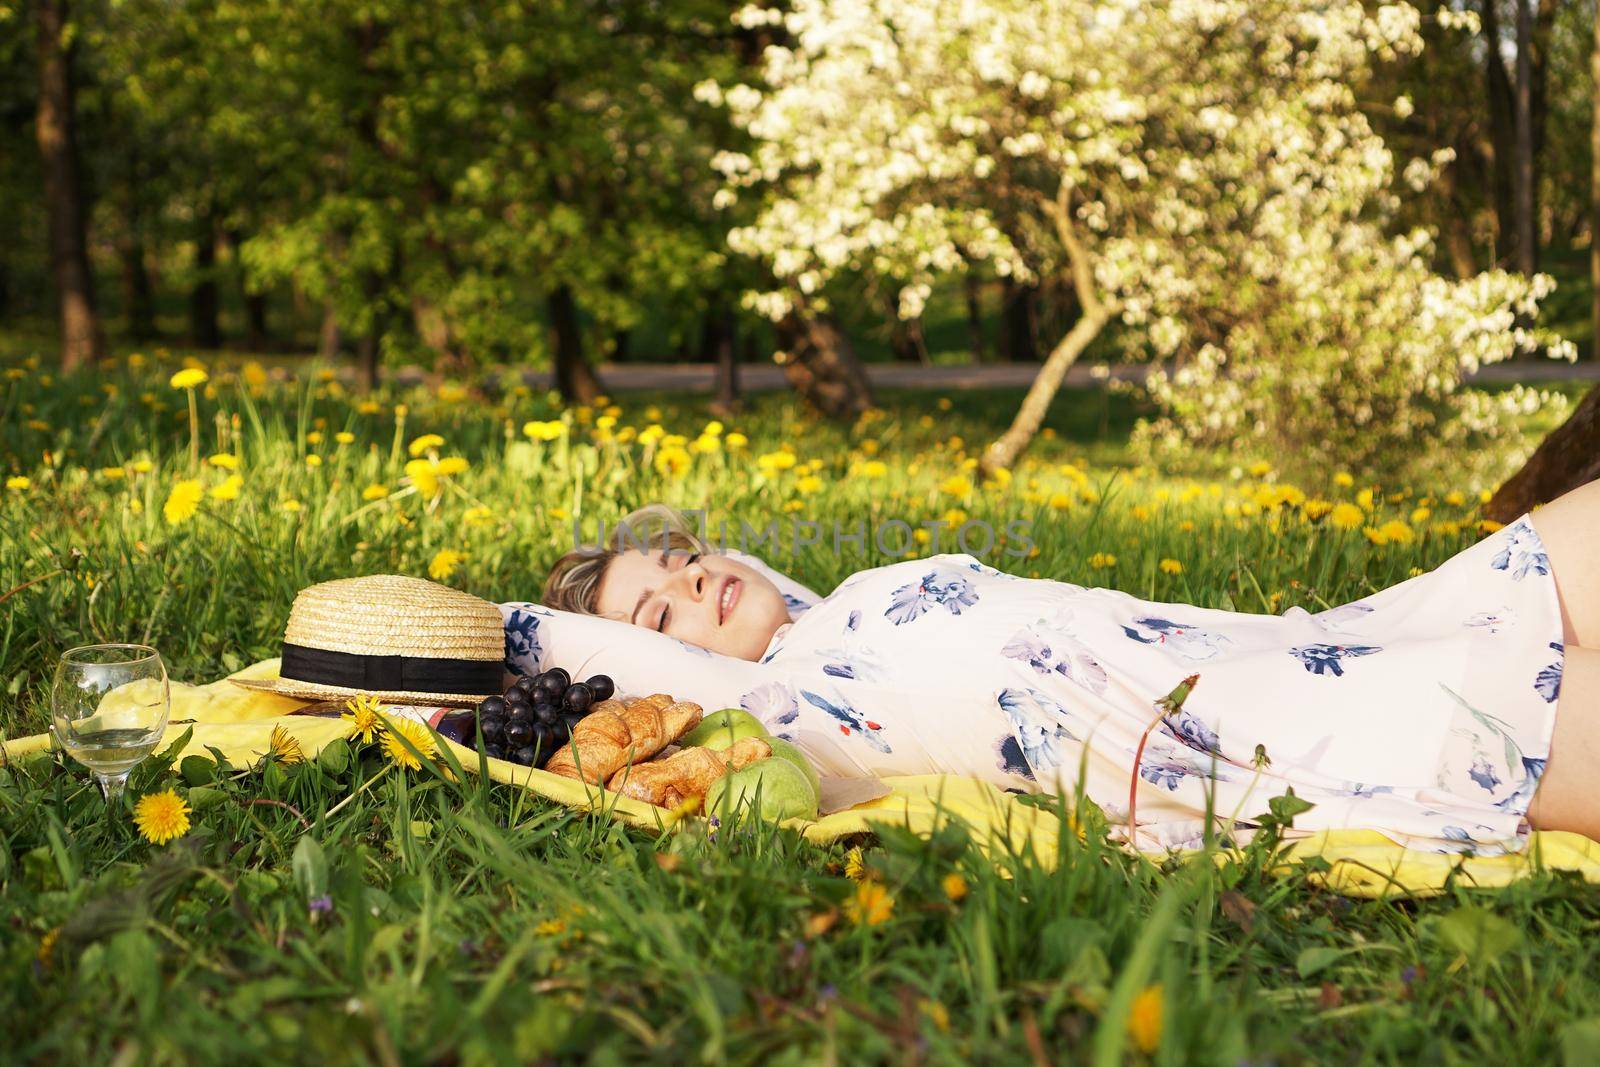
(668, 782)
(617, 732)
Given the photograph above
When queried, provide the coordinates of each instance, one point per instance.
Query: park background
(294, 292)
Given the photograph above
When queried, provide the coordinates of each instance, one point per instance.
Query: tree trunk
(1018, 311)
(257, 338)
(329, 337)
(1566, 459)
(821, 364)
(722, 345)
(1004, 451)
(975, 342)
(1523, 174)
(1594, 192)
(1502, 126)
(1456, 227)
(82, 338)
(621, 346)
(369, 348)
(203, 300)
(574, 377)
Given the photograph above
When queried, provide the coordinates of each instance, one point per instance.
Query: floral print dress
(1424, 711)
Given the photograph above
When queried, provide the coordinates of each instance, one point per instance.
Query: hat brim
(291, 687)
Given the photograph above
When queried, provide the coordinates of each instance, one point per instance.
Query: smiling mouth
(727, 599)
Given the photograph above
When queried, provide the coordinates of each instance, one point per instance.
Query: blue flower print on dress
(938, 587)
(1361, 789)
(854, 621)
(1493, 621)
(1190, 642)
(851, 722)
(1532, 771)
(775, 706)
(1036, 725)
(1191, 731)
(522, 642)
(1324, 659)
(852, 659)
(1522, 553)
(1050, 653)
(795, 605)
(1167, 772)
(1548, 682)
(1012, 761)
(1482, 772)
(699, 650)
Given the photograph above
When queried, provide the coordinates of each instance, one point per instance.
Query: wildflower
(424, 476)
(551, 928)
(369, 407)
(161, 816)
(544, 431)
(374, 492)
(182, 502)
(1396, 531)
(1489, 526)
(1364, 498)
(313, 461)
(956, 485)
(229, 489)
(735, 441)
(809, 484)
(477, 515)
(1343, 480)
(113, 474)
(874, 468)
(1346, 516)
(320, 905)
(18, 483)
(672, 461)
(1316, 508)
(450, 466)
(314, 437)
(445, 563)
(426, 443)
(344, 437)
(1145, 1018)
(1455, 498)
(871, 905)
(189, 378)
(291, 505)
(1140, 513)
(772, 462)
(142, 466)
(955, 886)
(285, 746)
(1171, 566)
(999, 477)
(1102, 560)
(1420, 515)
(362, 715)
(712, 429)
(855, 868)
(937, 1014)
(413, 731)
(225, 460)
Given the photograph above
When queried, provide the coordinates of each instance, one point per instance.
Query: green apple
(784, 792)
(786, 750)
(720, 729)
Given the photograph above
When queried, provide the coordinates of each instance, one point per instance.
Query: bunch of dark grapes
(534, 717)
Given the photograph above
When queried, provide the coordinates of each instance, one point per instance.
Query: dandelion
(1420, 515)
(374, 492)
(189, 378)
(772, 462)
(873, 468)
(954, 885)
(1171, 566)
(413, 731)
(1346, 516)
(1489, 526)
(1316, 508)
(113, 474)
(478, 515)
(313, 461)
(1145, 1019)
(1343, 480)
(428, 442)
(445, 563)
(161, 816)
(224, 460)
(291, 505)
(1260, 469)
(1102, 560)
(809, 484)
(344, 437)
(937, 1014)
(1397, 532)
(314, 437)
(672, 461)
(1140, 513)
(229, 489)
(450, 466)
(1455, 498)
(956, 485)
(544, 431)
(872, 904)
(18, 483)
(285, 746)
(1364, 498)
(362, 714)
(182, 502)
(855, 868)
(424, 476)
(735, 441)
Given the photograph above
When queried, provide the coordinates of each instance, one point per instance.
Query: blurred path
(765, 377)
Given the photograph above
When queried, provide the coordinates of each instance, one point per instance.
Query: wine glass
(108, 708)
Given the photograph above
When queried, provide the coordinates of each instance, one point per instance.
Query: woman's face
(706, 600)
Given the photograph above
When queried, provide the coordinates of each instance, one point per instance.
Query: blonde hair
(574, 581)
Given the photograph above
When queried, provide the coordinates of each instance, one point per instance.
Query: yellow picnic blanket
(238, 722)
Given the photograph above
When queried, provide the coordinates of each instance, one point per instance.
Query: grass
(412, 919)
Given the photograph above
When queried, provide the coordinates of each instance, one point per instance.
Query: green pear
(786, 750)
(784, 792)
(719, 729)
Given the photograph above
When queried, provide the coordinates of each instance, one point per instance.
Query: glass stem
(111, 785)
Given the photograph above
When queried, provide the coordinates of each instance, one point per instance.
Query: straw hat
(401, 639)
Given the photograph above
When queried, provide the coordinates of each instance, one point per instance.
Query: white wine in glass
(108, 708)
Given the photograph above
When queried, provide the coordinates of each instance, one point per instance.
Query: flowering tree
(1198, 170)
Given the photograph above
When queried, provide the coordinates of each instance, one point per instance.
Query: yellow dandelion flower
(1140, 513)
(809, 484)
(1316, 508)
(344, 437)
(872, 904)
(955, 886)
(544, 431)
(362, 714)
(672, 461)
(225, 460)
(229, 489)
(445, 563)
(1145, 1019)
(1171, 566)
(956, 485)
(706, 444)
(1346, 516)
(450, 466)
(113, 474)
(369, 407)
(188, 378)
(937, 1014)
(874, 468)
(735, 441)
(1455, 498)
(161, 816)
(1489, 526)
(313, 461)
(478, 515)
(772, 462)
(1364, 498)
(182, 502)
(1396, 531)
(412, 730)
(291, 505)
(1260, 469)
(1102, 560)
(374, 492)
(285, 746)
(1343, 480)
(855, 867)
(142, 466)
(424, 476)
(1420, 515)
(314, 437)
(427, 442)
(1187, 526)
(18, 483)
(712, 428)
(1060, 501)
